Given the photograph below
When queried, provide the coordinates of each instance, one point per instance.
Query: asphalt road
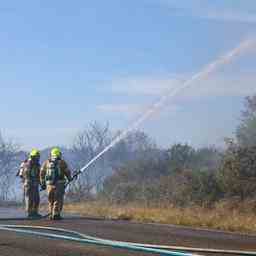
(13, 244)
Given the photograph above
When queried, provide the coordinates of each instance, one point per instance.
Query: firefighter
(29, 172)
(53, 176)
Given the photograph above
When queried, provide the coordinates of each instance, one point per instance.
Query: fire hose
(83, 239)
(74, 236)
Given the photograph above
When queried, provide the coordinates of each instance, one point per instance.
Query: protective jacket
(54, 171)
(54, 174)
(30, 172)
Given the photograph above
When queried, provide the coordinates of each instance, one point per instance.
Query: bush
(237, 176)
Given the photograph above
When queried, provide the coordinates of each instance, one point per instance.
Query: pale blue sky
(65, 64)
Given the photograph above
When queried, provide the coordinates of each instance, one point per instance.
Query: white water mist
(203, 74)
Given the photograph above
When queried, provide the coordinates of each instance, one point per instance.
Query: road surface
(13, 244)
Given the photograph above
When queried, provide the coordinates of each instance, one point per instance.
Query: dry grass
(221, 217)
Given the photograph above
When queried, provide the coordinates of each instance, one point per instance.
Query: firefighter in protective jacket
(29, 173)
(53, 176)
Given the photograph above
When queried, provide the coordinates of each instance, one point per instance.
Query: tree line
(137, 170)
(183, 175)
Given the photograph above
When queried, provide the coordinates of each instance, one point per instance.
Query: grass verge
(221, 217)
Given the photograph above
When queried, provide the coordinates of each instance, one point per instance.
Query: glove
(75, 177)
(43, 187)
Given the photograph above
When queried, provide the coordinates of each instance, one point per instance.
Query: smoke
(242, 48)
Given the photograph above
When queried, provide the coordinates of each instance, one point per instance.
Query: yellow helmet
(34, 153)
(56, 153)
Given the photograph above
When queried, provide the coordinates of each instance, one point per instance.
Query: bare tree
(8, 166)
(90, 142)
(86, 145)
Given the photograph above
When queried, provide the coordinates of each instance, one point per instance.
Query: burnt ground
(20, 245)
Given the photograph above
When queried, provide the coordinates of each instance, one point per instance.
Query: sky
(65, 64)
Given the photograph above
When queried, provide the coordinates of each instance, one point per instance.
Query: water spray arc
(204, 73)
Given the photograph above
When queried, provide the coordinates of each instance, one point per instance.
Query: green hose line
(161, 247)
(112, 244)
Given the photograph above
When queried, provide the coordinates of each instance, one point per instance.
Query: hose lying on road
(100, 242)
(161, 249)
